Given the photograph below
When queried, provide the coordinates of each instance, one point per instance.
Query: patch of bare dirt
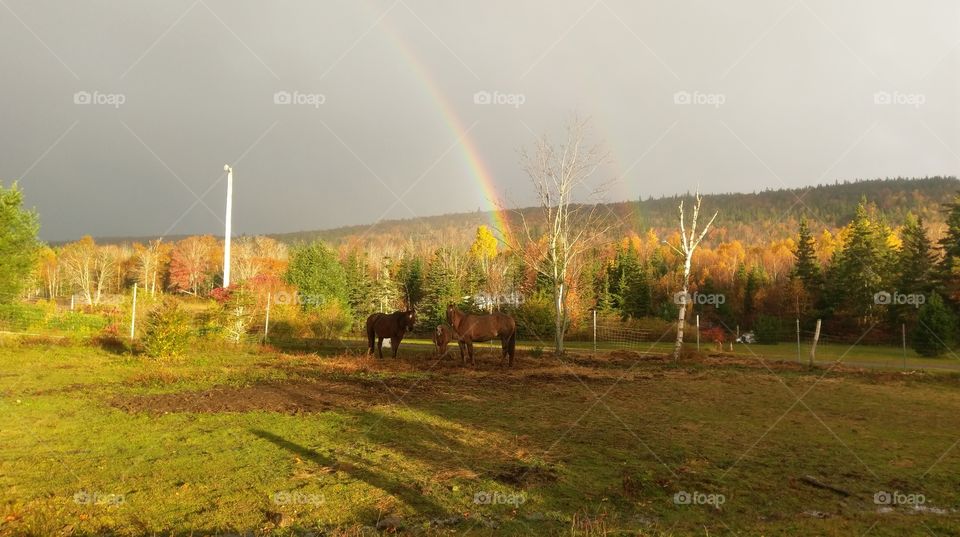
(284, 397)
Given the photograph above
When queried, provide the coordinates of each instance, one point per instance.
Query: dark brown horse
(389, 325)
(442, 337)
(478, 328)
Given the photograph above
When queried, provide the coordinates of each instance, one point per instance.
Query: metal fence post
(698, 332)
(594, 333)
(798, 340)
(133, 314)
(266, 321)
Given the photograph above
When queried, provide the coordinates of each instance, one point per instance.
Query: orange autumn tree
(194, 264)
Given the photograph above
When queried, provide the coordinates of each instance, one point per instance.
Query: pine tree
(604, 296)
(18, 242)
(410, 277)
(948, 269)
(861, 267)
(806, 267)
(440, 288)
(637, 296)
(358, 285)
(917, 261)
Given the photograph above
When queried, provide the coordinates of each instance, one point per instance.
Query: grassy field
(253, 440)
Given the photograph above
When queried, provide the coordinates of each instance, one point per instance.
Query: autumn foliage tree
(194, 263)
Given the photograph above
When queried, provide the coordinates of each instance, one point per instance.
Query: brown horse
(481, 328)
(389, 325)
(442, 337)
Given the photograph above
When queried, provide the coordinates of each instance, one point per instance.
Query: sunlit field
(251, 439)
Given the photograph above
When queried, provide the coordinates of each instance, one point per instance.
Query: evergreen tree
(860, 267)
(410, 277)
(386, 291)
(440, 288)
(18, 243)
(936, 328)
(605, 302)
(637, 295)
(915, 265)
(318, 275)
(806, 267)
(948, 269)
(358, 285)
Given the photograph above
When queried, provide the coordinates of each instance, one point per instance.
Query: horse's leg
(380, 347)
(473, 358)
(395, 343)
(504, 343)
(463, 355)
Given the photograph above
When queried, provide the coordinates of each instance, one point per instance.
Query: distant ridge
(750, 217)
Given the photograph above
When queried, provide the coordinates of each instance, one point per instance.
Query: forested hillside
(747, 217)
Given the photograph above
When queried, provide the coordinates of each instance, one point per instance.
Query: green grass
(414, 442)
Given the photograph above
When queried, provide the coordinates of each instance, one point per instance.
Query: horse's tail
(371, 336)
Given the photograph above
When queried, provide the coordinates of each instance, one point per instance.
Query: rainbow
(471, 155)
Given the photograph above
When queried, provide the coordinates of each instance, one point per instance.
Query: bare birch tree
(688, 244)
(569, 228)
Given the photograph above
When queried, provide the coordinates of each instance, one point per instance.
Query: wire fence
(262, 320)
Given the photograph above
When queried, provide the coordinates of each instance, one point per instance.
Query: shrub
(935, 329)
(329, 322)
(168, 330)
(236, 312)
(767, 330)
(535, 320)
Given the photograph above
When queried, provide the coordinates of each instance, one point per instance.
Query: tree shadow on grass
(355, 468)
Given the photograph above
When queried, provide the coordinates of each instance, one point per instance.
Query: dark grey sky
(777, 93)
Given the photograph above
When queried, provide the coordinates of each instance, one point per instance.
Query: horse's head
(441, 339)
(452, 315)
(409, 319)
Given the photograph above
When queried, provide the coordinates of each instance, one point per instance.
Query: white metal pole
(266, 322)
(594, 333)
(903, 328)
(698, 332)
(227, 232)
(798, 340)
(133, 315)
